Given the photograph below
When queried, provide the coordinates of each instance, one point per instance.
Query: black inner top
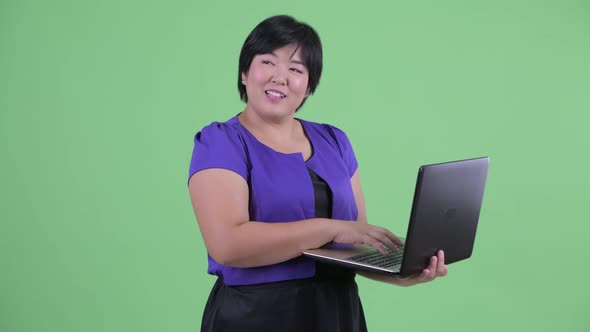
(323, 209)
(322, 195)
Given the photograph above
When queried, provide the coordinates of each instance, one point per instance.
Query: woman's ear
(244, 77)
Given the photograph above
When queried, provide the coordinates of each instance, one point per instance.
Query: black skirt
(328, 302)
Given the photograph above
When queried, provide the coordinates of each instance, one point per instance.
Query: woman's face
(276, 83)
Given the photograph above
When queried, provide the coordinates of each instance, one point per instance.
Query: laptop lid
(445, 212)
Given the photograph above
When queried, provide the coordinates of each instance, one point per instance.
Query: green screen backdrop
(99, 102)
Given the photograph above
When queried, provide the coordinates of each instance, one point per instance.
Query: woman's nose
(279, 76)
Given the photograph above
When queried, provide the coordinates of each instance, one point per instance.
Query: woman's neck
(277, 130)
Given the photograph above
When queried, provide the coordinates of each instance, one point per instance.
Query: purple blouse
(280, 185)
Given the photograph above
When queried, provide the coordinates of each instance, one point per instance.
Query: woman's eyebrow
(293, 61)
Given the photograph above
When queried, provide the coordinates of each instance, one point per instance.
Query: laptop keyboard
(376, 258)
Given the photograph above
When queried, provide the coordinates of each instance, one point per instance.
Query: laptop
(444, 216)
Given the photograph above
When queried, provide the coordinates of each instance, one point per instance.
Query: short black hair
(276, 32)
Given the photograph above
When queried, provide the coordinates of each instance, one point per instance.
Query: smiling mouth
(274, 94)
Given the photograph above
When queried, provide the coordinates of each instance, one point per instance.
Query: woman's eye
(266, 62)
(297, 70)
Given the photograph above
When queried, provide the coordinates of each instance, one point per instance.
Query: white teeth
(275, 94)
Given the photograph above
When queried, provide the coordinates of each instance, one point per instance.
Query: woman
(265, 186)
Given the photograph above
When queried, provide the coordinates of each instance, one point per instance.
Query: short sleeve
(219, 146)
(345, 147)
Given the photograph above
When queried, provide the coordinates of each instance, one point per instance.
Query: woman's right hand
(363, 233)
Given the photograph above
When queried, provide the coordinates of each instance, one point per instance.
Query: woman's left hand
(436, 268)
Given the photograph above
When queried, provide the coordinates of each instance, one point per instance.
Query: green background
(99, 102)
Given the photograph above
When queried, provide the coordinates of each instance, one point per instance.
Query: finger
(427, 274)
(432, 268)
(394, 238)
(371, 241)
(441, 268)
(386, 241)
(423, 277)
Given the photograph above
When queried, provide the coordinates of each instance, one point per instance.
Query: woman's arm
(220, 201)
(436, 267)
